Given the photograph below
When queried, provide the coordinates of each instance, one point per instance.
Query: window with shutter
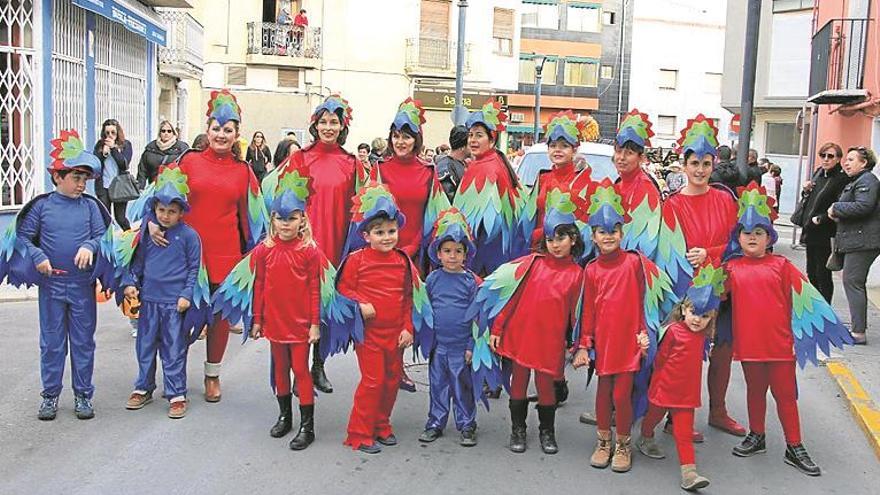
(288, 78)
(236, 75)
(502, 31)
(434, 20)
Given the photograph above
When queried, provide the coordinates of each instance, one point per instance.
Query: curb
(865, 411)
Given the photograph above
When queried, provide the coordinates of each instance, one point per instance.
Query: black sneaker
(48, 409)
(468, 438)
(82, 406)
(752, 444)
(797, 456)
(429, 435)
(389, 441)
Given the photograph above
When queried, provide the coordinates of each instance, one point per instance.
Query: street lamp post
(539, 67)
(459, 112)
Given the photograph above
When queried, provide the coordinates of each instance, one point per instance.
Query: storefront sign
(432, 100)
(117, 11)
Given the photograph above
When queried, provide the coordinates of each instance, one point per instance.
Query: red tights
(287, 357)
(617, 389)
(779, 377)
(218, 336)
(682, 430)
(519, 384)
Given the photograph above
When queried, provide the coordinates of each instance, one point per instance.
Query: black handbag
(123, 188)
(835, 259)
(797, 217)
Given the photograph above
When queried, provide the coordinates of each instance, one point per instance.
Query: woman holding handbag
(165, 149)
(818, 194)
(857, 214)
(115, 153)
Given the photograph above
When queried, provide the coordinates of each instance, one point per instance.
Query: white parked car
(598, 157)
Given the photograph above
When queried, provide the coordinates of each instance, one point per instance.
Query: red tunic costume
(409, 180)
(288, 267)
(763, 339)
(546, 181)
(383, 280)
(636, 185)
(611, 319)
(218, 198)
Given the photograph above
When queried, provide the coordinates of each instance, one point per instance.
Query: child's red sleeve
(408, 297)
(588, 314)
(347, 278)
(259, 261)
(315, 286)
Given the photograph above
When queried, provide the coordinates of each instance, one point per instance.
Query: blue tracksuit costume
(54, 227)
(451, 294)
(163, 275)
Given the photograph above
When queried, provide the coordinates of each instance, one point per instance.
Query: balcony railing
(284, 40)
(837, 69)
(430, 55)
(182, 57)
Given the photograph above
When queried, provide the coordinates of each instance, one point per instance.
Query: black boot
(306, 434)
(518, 412)
(561, 389)
(318, 376)
(547, 429)
(752, 444)
(285, 417)
(797, 456)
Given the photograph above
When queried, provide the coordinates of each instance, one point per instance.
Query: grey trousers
(855, 274)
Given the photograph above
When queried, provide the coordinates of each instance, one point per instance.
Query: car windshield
(533, 163)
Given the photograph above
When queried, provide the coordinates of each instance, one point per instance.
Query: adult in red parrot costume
(706, 214)
(226, 210)
(335, 177)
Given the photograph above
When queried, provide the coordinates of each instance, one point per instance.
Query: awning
(135, 18)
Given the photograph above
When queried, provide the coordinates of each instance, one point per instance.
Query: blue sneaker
(48, 409)
(82, 405)
(373, 448)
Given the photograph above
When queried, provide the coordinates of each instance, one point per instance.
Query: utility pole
(459, 112)
(750, 67)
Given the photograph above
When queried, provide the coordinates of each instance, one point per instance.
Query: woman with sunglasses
(823, 189)
(857, 213)
(115, 153)
(161, 151)
(258, 155)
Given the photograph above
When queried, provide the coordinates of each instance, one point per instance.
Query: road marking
(864, 409)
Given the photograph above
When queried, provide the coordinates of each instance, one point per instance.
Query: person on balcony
(300, 23)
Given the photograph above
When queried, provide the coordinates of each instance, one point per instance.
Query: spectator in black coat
(450, 167)
(725, 170)
(158, 152)
(258, 155)
(282, 151)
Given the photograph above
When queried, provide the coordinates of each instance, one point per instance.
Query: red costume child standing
(614, 283)
(385, 283)
(678, 371)
(794, 319)
(335, 175)
(535, 298)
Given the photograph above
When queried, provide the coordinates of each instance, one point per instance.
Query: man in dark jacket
(450, 167)
(754, 170)
(725, 170)
(283, 148)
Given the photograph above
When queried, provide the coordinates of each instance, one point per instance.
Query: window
(288, 78)
(527, 71)
(236, 75)
(713, 83)
(544, 15)
(666, 125)
(789, 5)
(583, 17)
(668, 79)
(502, 32)
(581, 73)
(434, 20)
(607, 72)
(782, 139)
(608, 18)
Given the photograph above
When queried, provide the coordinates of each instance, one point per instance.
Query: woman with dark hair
(857, 213)
(161, 151)
(335, 175)
(115, 153)
(220, 189)
(259, 156)
(200, 143)
(819, 193)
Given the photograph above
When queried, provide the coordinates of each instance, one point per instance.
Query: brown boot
(602, 455)
(691, 479)
(212, 382)
(622, 460)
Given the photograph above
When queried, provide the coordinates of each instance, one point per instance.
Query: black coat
(753, 174)
(282, 150)
(827, 186)
(257, 159)
(857, 213)
(725, 173)
(153, 158)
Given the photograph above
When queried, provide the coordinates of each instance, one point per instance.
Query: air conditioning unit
(517, 117)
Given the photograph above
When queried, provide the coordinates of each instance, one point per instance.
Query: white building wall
(489, 70)
(686, 36)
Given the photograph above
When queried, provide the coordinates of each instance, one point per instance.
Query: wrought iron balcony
(430, 56)
(837, 69)
(284, 40)
(182, 57)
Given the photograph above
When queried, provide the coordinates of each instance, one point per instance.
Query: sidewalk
(9, 293)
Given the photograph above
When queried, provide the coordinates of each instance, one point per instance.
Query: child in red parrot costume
(226, 210)
(794, 319)
(678, 371)
(385, 283)
(621, 342)
(335, 176)
(702, 215)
